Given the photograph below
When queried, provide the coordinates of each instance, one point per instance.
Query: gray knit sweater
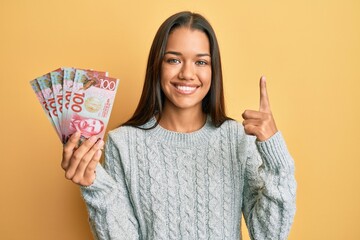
(158, 184)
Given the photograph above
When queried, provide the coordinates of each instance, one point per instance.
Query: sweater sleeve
(111, 213)
(269, 189)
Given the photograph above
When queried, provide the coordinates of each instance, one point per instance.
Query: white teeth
(185, 88)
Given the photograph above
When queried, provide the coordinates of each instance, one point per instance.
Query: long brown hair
(152, 97)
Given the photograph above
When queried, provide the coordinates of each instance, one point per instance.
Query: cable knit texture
(159, 184)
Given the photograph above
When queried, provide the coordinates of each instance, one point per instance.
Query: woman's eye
(172, 61)
(201, 62)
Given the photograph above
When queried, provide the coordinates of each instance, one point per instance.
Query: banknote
(91, 102)
(47, 92)
(36, 88)
(68, 81)
(74, 80)
(57, 87)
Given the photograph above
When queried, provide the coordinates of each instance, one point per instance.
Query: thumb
(264, 99)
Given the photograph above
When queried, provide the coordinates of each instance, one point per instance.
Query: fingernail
(93, 139)
(100, 143)
(76, 134)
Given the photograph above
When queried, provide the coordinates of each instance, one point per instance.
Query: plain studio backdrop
(308, 50)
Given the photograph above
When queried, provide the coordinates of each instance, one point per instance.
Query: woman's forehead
(186, 39)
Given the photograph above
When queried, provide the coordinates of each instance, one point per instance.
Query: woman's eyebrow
(180, 54)
(173, 52)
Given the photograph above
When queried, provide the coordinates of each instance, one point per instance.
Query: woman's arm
(110, 209)
(269, 189)
(105, 193)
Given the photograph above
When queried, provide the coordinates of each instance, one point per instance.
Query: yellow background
(309, 51)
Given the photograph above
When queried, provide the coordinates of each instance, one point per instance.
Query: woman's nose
(187, 72)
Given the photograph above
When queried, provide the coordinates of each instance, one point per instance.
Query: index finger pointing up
(264, 99)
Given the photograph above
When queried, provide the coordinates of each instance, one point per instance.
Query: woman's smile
(185, 89)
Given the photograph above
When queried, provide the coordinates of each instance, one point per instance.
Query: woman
(180, 168)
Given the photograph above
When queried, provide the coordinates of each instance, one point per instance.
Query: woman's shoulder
(125, 131)
(118, 131)
(232, 125)
(235, 130)
(122, 132)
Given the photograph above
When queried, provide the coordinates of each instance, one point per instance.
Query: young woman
(180, 168)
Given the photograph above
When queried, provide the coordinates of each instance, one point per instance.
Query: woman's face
(186, 69)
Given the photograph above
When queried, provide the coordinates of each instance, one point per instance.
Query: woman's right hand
(80, 162)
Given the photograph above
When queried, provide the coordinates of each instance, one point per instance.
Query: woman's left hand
(260, 123)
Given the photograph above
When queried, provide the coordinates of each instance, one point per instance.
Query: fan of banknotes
(76, 100)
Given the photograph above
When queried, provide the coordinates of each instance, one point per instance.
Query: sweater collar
(181, 139)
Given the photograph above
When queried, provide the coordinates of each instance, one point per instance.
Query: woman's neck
(184, 121)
